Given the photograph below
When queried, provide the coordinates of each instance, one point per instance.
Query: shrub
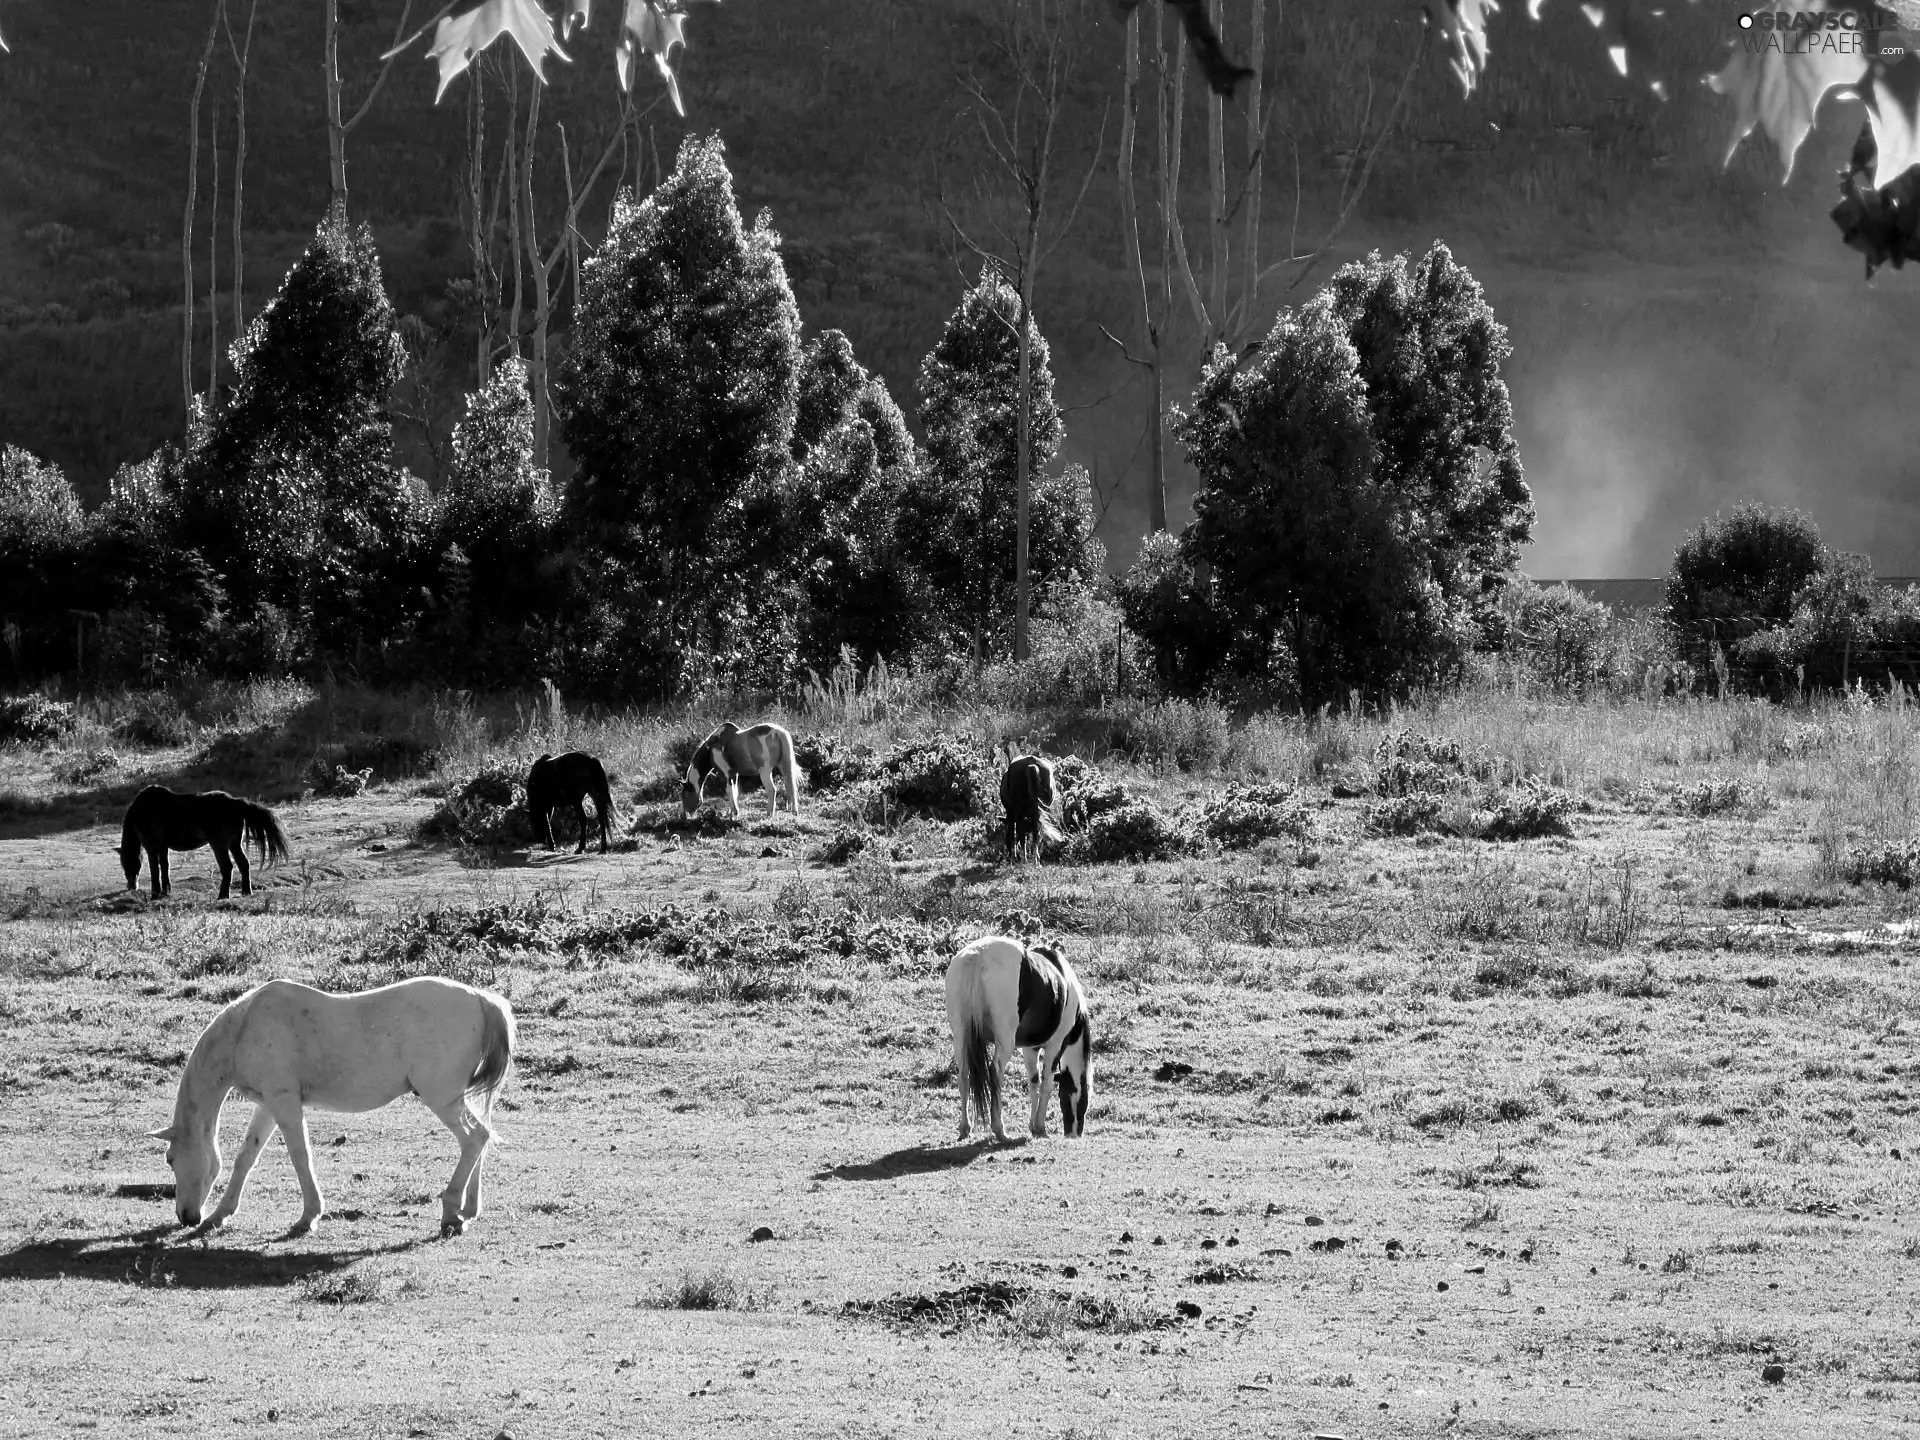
(1555, 634)
(34, 720)
(1720, 797)
(1086, 793)
(82, 766)
(1192, 735)
(828, 762)
(1137, 830)
(1736, 574)
(155, 719)
(1897, 865)
(336, 782)
(487, 807)
(1173, 614)
(1246, 815)
(843, 845)
(939, 777)
(1529, 811)
(1411, 763)
(1404, 815)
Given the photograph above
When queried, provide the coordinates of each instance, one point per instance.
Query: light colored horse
(289, 1047)
(764, 750)
(1011, 995)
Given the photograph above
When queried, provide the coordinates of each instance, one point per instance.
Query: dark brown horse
(557, 780)
(160, 820)
(1027, 791)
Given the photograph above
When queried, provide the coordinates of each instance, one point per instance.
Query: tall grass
(1849, 761)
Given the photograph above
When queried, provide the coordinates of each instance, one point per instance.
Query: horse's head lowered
(692, 783)
(129, 852)
(1073, 1076)
(193, 1154)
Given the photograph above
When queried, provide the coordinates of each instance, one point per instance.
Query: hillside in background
(1685, 337)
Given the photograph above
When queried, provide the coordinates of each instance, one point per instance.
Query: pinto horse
(289, 1047)
(1027, 793)
(556, 780)
(764, 750)
(160, 820)
(1011, 995)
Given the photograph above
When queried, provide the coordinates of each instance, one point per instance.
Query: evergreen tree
(292, 494)
(1322, 589)
(959, 519)
(160, 597)
(1361, 499)
(496, 519)
(854, 456)
(1430, 352)
(679, 395)
(1739, 573)
(42, 537)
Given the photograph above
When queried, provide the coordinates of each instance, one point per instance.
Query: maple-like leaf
(1629, 29)
(472, 25)
(1892, 93)
(1882, 224)
(1463, 30)
(653, 29)
(1779, 87)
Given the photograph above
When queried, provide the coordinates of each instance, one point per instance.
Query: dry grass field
(1391, 1134)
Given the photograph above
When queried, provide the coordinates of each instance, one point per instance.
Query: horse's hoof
(453, 1227)
(303, 1227)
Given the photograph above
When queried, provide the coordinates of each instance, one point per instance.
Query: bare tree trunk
(537, 366)
(1169, 222)
(336, 129)
(1216, 195)
(1023, 590)
(514, 221)
(476, 235)
(186, 222)
(1256, 145)
(213, 271)
(241, 58)
(1136, 260)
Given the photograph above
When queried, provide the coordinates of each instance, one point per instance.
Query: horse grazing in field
(1028, 794)
(289, 1047)
(765, 750)
(557, 780)
(160, 820)
(1011, 995)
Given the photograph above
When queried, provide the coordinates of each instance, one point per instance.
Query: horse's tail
(602, 795)
(974, 1045)
(263, 829)
(496, 1049)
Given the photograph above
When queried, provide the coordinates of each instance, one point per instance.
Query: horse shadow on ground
(141, 1257)
(914, 1160)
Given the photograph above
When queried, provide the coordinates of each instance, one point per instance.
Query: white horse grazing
(289, 1047)
(764, 750)
(1012, 995)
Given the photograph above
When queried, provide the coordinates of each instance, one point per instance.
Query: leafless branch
(1349, 201)
(1121, 345)
(386, 67)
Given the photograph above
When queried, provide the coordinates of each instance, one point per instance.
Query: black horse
(160, 820)
(1026, 791)
(557, 780)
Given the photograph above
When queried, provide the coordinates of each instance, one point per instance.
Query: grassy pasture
(1391, 1135)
